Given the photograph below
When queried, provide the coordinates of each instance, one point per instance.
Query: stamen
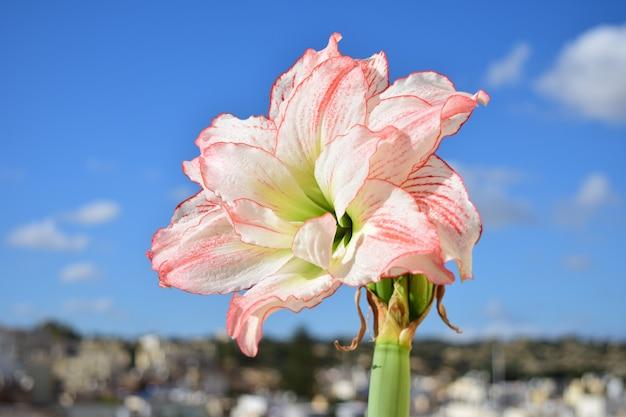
(357, 339)
(441, 290)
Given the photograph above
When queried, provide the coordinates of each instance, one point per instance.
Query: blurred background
(100, 103)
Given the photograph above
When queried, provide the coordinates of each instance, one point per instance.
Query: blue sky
(100, 103)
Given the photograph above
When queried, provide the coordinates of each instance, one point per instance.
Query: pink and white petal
(234, 171)
(255, 131)
(429, 86)
(413, 117)
(429, 264)
(387, 227)
(324, 105)
(296, 286)
(342, 167)
(441, 194)
(285, 84)
(192, 170)
(376, 70)
(314, 240)
(457, 109)
(199, 252)
(259, 225)
(394, 158)
(425, 124)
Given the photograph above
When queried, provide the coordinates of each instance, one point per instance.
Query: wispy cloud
(100, 305)
(490, 189)
(96, 212)
(182, 192)
(594, 194)
(78, 272)
(45, 235)
(510, 68)
(100, 166)
(11, 175)
(576, 262)
(588, 75)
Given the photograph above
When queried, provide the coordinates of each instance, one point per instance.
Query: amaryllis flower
(339, 184)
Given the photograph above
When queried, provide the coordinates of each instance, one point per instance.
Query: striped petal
(235, 171)
(296, 286)
(200, 253)
(343, 166)
(440, 193)
(284, 86)
(376, 70)
(259, 225)
(426, 107)
(255, 131)
(326, 104)
(314, 240)
(390, 235)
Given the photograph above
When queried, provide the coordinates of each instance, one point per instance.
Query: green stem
(390, 381)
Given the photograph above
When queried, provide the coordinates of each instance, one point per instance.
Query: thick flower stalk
(338, 185)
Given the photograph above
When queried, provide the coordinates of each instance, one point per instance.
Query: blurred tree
(300, 365)
(59, 330)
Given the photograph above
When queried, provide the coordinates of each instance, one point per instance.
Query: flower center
(344, 231)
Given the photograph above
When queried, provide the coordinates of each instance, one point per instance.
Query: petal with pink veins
(441, 194)
(296, 286)
(343, 166)
(388, 231)
(394, 158)
(255, 131)
(200, 253)
(259, 225)
(234, 171)
(423, 123)
(314, 240)
(329, 102)
(376, 70)
(192, 170)
(285, 85)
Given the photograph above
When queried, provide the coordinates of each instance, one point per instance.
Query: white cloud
(490, 189)
(182, 192)
(594, 194)
(510, 68)
(99, 166)
(576, 263)
(588, 75)
(81, 271)
(101, 305)
(595, 191)
(95, 212)
(45, 235)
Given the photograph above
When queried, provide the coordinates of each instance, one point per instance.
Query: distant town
(52, 370)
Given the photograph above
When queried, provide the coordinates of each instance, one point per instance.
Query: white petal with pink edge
(192, 170)
(343, 166)
(200, 253)
(296, 286)
(441, 194)
(329, 102)
(284, 86)
(376, 70)
(387, 226)
(255, 131)
(424, 123)
(314, 240)
(259, 225)
(430, 86)
(234, 171)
